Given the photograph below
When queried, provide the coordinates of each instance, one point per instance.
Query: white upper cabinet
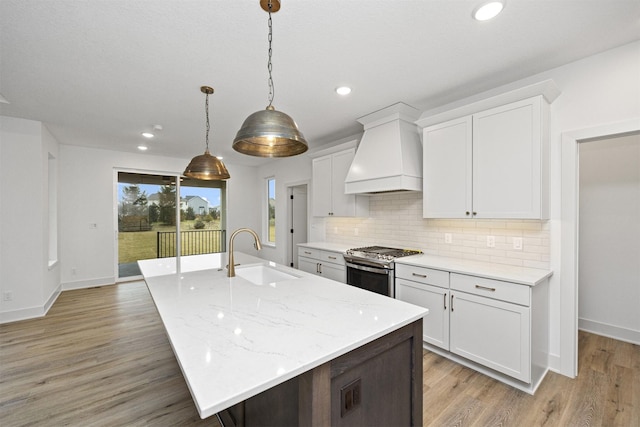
(328, 188)
(447, 189)
(489, 157)
(491, 164)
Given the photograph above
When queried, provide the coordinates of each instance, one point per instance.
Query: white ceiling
(99, 72)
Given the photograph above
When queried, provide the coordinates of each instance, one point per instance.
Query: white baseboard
(21, 314)
(84, 284)
(52, 298)
(554, 363)
(611, 331)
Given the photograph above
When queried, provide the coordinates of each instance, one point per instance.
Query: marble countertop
(234, 339)
(521, 275)
(326, 246)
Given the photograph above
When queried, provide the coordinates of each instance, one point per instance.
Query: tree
(190, 214)
(167, 204)
(133, 202)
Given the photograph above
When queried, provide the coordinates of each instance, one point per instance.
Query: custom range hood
(389, 157)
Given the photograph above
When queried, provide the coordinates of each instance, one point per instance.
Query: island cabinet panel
(379, 383)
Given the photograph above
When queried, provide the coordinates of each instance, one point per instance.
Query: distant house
(199, 204)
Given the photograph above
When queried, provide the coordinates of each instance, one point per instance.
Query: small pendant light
(270, 133)
(205, 166)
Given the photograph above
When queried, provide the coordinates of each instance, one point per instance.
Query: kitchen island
(275, 345)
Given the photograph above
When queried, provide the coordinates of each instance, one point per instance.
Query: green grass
(135, 245)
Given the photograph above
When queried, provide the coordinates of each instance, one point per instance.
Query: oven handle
(378, 270)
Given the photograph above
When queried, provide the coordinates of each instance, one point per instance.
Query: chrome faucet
(232, 269)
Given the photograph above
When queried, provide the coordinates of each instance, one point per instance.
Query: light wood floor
(101, 358)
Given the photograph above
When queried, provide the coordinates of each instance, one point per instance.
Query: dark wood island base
(378, 384)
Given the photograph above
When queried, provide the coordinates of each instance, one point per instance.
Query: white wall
(24, 240)
(87, 196)
(609, 237)
(287, 172)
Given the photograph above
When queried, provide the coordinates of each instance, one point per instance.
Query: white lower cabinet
(323, 263)
(482, 323)
(492, 333)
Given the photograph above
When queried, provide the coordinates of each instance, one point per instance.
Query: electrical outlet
(491, 241)
(350, 397)
(448, 238)
(517, 243)
(7, 296)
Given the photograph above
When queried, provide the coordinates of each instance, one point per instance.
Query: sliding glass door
(148, 221)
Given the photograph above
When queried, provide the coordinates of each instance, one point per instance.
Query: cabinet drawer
(424, 275)
(496, 289)
(309, 252)
(332, 257)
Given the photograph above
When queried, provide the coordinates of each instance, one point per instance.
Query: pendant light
(269, 132)
(205, 166)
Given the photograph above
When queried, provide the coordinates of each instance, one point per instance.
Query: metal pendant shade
(270, 133)
(205, 166)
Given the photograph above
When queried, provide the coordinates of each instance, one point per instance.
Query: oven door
(376, 279)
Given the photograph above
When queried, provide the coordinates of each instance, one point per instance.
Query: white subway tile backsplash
(396, 220)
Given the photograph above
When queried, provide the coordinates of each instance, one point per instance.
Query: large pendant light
(269, 132)
(205, 166)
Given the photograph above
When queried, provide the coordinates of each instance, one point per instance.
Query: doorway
(568, 260)
(609, 237)
(297, 221)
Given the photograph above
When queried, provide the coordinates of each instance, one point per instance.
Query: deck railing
(192, 242)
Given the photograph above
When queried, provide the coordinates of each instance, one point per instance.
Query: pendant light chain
(269, 64)
(206, 109)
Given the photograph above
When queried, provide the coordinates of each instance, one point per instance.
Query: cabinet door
(342, 204)
(506, 161)
(333, 272)
(435, 325)
(308, 265)
(492, 333)
(321, 186)
(447, 169)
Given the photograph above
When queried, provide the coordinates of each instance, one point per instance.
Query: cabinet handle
(320, 268)
(451, 302)
(308, 253)
(445, 300)
(317, 267)
(332, 257)
(475, 213)
(485, 288)
(467, 213)
(424, 276)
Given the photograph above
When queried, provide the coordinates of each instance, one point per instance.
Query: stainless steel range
(372, 268)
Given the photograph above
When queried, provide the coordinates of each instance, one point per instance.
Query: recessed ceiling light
(488, 10)
(148, 134)
(142, 147)
(343, 90)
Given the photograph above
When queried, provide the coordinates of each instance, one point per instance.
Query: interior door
(298, 221)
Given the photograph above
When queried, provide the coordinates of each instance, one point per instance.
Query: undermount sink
(262, 274)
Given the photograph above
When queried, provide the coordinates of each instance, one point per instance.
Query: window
(271, 211)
